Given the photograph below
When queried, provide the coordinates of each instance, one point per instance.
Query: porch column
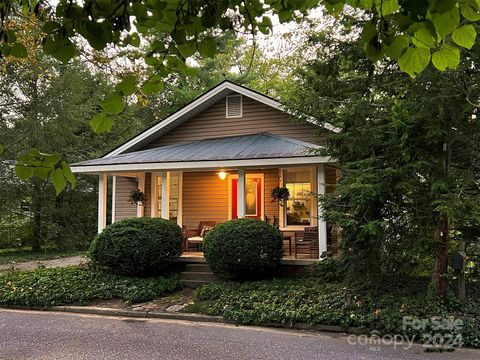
(322, 225)
(114, 191)
(241, 194)
(102, 202)
(141, 187)
(165, 194)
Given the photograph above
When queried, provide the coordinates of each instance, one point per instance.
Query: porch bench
(194, 237)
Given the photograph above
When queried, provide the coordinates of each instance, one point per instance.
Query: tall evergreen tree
(408, 150)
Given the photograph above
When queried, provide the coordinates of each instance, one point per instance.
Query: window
(174, 196)
(234, 106)
(298, 210)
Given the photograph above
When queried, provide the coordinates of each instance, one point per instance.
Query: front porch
(201, 184)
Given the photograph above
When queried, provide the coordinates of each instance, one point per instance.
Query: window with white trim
(298, 210)
(174, 192)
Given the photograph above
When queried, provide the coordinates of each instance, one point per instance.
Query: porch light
(222, 175)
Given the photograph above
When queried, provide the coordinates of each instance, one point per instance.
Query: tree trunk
(37, 218)
(441, 235)
(441, 261)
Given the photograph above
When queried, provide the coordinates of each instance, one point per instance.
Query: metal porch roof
(254, 146)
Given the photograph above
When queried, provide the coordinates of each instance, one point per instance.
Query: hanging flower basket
(137, 197)
(280, 194)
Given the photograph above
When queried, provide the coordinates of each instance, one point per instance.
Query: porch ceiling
(249, 149)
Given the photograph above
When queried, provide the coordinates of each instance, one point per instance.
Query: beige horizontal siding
(148, 190)
(331, 174)
(257, 117)
(271, 181)
(205, 198)
(123, 187)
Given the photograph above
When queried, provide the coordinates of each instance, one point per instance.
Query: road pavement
(48, 335)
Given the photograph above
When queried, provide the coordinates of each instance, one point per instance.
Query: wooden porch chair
(194, 237)
(306, 242)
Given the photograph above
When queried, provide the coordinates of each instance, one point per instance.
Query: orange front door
(253, 198)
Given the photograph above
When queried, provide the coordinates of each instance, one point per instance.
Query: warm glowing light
(222, 175)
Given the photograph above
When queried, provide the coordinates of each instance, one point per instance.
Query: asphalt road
(47, 335)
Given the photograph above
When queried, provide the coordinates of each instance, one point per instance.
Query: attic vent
(234, 106)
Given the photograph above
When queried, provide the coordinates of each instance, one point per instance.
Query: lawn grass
(316, 301)
(25, 253)
(75, 285)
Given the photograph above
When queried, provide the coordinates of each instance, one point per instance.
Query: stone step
(197, 267)
(197, 275)
(193, 283)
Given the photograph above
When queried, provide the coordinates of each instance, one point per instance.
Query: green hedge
(78, 285)
(138, 246)
(243, 248)
(312, 300)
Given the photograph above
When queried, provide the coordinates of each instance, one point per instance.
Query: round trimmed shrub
(243, 249)
(138, 246)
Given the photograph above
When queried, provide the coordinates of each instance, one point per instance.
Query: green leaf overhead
(127, 86)
(24, 172)
(58, 180)
(101, 123)
(397, 48)
(424, 37)
(113, 104)
(60, 48)
(154, 84)
(387, 7)
(470, 10)
(446, 23)
(414, 61)
(465, 36)
(67, 173)
(109, 22)
(207, 47)
(18, 50)
(447, 57)
(2, 149)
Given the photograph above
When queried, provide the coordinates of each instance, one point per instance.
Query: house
(218, 158)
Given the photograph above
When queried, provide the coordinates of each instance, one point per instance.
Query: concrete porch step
(193, 283)
(196, 275)
(197, 268)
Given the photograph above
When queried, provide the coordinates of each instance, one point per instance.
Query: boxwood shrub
(243, 249)
(138, 246)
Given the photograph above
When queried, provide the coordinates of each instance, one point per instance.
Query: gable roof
(240, 147)
(193, 108)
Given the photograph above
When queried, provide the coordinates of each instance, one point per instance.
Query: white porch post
(241, 194)
(165, 194)
(141, 187)
(322, 225)
(102, 202)
(114, 190)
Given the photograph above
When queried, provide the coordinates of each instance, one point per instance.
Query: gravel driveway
(30, 265)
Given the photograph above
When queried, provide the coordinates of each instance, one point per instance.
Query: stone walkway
(30, 265)
(174, 302)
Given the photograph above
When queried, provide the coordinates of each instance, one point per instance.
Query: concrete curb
(92, 310)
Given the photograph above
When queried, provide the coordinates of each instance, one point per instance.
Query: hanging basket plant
(137, 197)
(280, 194)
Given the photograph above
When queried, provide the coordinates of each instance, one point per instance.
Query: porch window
(298, 210)
(174, 181)
(174, 196)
